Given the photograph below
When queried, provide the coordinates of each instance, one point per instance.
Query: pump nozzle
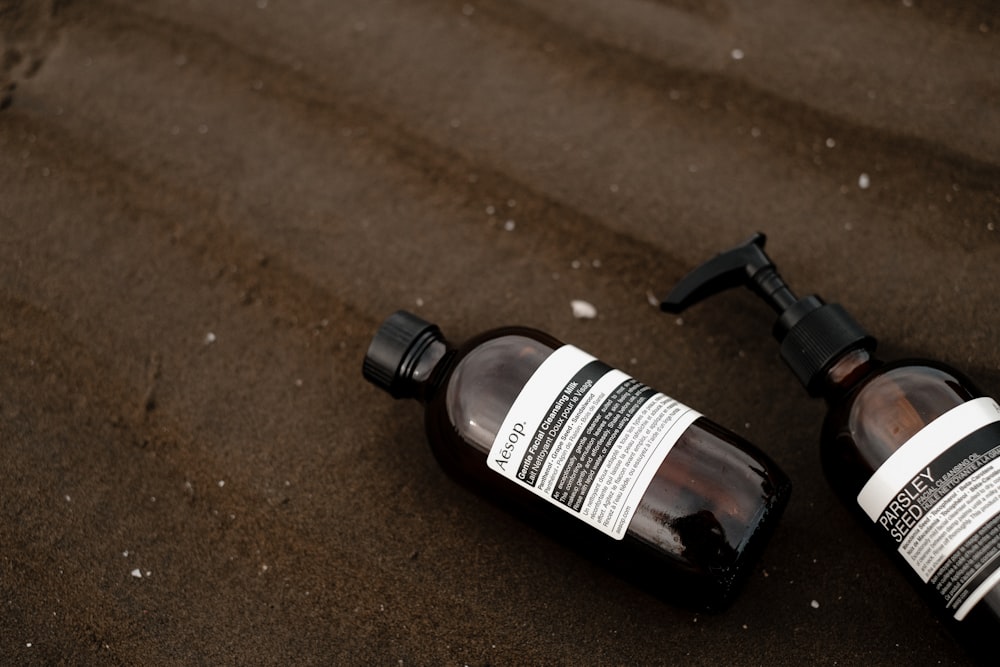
(813, 334)
(746, 264)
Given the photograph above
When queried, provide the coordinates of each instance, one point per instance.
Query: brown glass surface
(875, 409)
(703, 509)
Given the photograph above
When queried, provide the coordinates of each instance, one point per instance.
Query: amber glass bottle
(912, 446)
(914, 443)
(630, 477)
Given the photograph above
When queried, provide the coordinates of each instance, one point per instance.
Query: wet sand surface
(207, 208)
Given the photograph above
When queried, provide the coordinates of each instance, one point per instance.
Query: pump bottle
(912, 445)
(632, 478)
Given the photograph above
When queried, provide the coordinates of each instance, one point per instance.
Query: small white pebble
(990, 226)
(737, 54)
(509, 225)
(814, 604)
(125, 553)
(583, 309)
(864, 181)
(28, 645)
(419, 301)
(209, 338)
(298, 382)
(222, 483)
(490, 210)
(830, 142)
(67, 498)
(576, 264)
(137, 573)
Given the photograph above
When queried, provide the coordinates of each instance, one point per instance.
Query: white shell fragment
(583, 310)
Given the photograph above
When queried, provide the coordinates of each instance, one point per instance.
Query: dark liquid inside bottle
(699, 524)
(876, 409)
(912, 446)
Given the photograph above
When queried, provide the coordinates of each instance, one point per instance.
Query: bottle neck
(846, 372)
(420, 379)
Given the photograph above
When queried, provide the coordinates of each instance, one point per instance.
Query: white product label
(588, 438)
(938, 498)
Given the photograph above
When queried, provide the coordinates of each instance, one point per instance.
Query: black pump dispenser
(911, 445)
(812, 333)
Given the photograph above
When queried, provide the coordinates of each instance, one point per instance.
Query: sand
(207, 208)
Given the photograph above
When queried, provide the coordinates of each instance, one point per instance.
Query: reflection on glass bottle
(628, 476)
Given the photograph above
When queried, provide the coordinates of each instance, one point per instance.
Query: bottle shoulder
(485, 378)
(891, 404)
(926, 388)
(475, 385)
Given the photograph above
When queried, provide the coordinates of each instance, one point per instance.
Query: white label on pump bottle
(588, 438)
(938, 498)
